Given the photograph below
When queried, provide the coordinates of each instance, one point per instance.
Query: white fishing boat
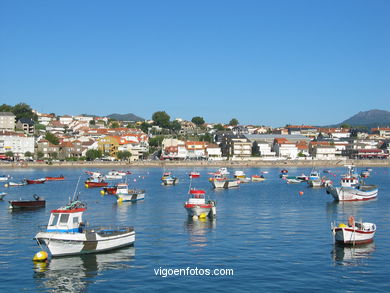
(354, 232)
(4, 177)
(123, 193)
(314, 179)
(13, 184)
(66, 234)
(114, 175)
(257, 178)
(2, 195)
(223, 171)
(168, 179)
(225, 183)
(200, 206)
(239, 174)
(352, 188)
(293, 180)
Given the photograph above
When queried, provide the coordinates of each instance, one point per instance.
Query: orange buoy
(301, 193)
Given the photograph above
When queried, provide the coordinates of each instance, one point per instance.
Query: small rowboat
(258, 178)
(38, 202)
(13, 184)
(36, 181)
(194, 174)
(89, 184)
(354, 232)
(2, 194)
(55, 178)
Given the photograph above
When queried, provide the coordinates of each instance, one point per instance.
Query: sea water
(268, 237)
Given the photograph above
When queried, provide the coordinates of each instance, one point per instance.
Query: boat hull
(199, 209)
(170, 181)
(225, 183)
(315, 182)
(351, 236)
(62, 244)
(131, 197)
(54, 178)
(95, 184)
(352, 194)
(39, 181)
(20, 204)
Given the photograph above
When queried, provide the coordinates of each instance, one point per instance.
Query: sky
(261, 62)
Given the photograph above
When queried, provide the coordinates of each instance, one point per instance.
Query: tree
(219, 127)
(28, 154)
(197, 120)
(145, 127)
(22, 110)
(345, 125)
(156, 141)
(5, 108)
(52, 138)
(40, 155)
(123, 155)
(92, 122)
(255, 149)
(93, 155)
(233, 122)
(40, 127)
(9, 154)
(206, 137)
(175, 126)
(54, 155)
(161, 118)
(114, 124)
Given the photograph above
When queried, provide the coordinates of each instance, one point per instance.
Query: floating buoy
(194, 217)
(120, 200)
(86, 185)
(40, 256)
(342, 225)
(6, 185)
(102, 192)
(202, 215)
(301, 193)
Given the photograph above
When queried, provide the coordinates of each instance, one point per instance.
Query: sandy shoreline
(173, 164)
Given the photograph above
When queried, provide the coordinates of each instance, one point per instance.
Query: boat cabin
(122, 188)
(66, 220)
(197, 196)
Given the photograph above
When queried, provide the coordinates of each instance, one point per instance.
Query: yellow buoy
(40, 256)
(202, 215)
(86, 185)
(102, 192)
(342, 225)
(120, 200)
(6, 185)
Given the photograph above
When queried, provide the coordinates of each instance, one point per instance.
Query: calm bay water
(273, 238)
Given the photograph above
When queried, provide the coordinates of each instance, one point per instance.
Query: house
(195, 149)
(55, 127)
(7, 121)
(303, 148)
(240, 148)
(48, 149)
(17, 143)
(213, 152)
(71, 149)
(45, 119)
(65, 120)
(265, 149)
(285, 148)
(383, 132)
(109, 145)
(27, 125)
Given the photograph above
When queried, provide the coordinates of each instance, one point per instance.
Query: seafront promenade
(191, 163)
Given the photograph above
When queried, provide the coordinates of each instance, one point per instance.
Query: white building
(265, 149)
(214, 152)
(66, 119)
(45, 119)
(7, 121)
(17, 143)
(322, 152)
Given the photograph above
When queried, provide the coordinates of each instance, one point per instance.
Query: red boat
(95, 182)
(109, 190)
(194, 174)
(38, 202)
(55, 178)
(36, 181)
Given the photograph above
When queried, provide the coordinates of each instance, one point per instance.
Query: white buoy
(194, 217)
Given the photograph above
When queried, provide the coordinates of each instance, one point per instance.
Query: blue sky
(262, 62)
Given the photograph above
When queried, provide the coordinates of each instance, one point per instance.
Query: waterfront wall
(228, 163)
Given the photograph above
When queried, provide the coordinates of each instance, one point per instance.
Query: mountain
(125, 117)
(370, 119)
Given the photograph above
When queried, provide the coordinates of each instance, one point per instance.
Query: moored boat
(123, 193)
(2, 195)
(225, 183)
(36, 181)
(59, 178)
(38, 202)
(5, 177)
(95, 182)
(66, 233)
(13, 184)
(239, 174)
(194, 174)
(168, 179)
(114, 175)
(257, 178)
(365, 174)
(198, 205)
(354, 232)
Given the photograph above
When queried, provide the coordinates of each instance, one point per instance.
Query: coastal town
(49, 138)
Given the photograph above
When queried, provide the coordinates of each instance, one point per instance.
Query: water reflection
(198, 230)
(73, 274)
(352, 255)
(344, 209)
